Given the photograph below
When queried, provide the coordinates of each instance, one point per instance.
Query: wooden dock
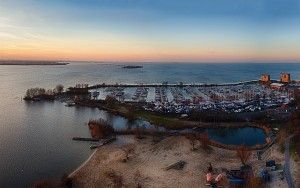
(102, 143)
(85, 139)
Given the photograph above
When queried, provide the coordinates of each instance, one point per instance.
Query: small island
(27, 62)
(132, 67)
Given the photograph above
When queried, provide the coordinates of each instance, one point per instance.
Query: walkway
(287, 171)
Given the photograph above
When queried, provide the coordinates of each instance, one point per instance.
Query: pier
(104, 142)
(180, 98)
(85, 139)
(97, 86)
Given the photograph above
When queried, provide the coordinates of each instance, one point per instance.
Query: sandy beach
(131, 162)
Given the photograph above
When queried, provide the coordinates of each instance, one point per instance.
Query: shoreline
(105, 85)
(34, 62)
(212, 143)
(82, 164)
(150, 159)
(185, 123)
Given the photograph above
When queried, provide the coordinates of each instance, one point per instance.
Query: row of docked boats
(140, 94)
(160, 95)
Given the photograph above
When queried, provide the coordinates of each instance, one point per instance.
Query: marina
(54, 124)
(183, 98)
(149, 94)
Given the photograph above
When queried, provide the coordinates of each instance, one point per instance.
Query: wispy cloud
(10, 30)
(156, 28)
(5, 35)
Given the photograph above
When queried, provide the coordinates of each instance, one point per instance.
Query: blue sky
(150, 30)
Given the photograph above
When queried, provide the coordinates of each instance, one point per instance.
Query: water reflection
(36, 138)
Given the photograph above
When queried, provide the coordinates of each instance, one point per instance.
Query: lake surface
(36, 138)
(248, 136)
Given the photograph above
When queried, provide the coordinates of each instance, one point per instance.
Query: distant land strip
(20, 62)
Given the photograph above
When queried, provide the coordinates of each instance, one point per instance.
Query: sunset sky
(150, 30)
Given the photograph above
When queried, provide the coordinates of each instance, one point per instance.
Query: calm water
(35, 138)
(246, 136)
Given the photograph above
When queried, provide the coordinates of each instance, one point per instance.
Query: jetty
(100, 142)
(180, 98)
(103, 142)
(85, 139)
(180, 84)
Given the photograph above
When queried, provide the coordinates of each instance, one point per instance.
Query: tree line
(41, 92)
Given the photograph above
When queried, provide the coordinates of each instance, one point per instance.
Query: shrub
(204, 140)
(59, 88)
(34, 92)
(243, 154)
(192, 137)
(100, 128)
(254, 182)
(111, 101)
(139, 131)
(115, 178)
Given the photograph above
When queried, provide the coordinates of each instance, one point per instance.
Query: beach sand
(147, 162)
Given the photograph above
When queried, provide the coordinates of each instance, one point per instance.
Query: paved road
(287, 171)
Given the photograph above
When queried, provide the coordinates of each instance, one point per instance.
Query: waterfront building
(285, 78)
(277, 86)
(265, 78)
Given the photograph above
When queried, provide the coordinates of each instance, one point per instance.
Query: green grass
(161, 120)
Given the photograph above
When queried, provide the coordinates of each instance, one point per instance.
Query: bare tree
(34, 92)
(100, 128)
(204, 140)
(138, 132)
(59, 88)
(115, 178)
(152, 132)
(130, 114)
(254, 182)
(243, 154)
(192, 137)
(129, 149)
(110, 101)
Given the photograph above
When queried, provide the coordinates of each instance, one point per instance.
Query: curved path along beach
(147, 161)
(287, 165)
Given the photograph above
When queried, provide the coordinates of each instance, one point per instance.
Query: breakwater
(97, 86)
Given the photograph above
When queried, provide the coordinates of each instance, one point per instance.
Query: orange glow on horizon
(140, 57)
(138, 52)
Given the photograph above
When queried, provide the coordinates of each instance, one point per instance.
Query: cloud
(5, 35)
(9, 31)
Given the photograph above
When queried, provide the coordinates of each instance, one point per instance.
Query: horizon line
(156, 61)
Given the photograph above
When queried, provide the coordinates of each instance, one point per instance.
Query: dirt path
(287, 165)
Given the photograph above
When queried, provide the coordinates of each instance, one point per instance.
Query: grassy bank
(134, 111)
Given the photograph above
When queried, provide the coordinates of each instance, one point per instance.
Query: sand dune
(147, 161)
